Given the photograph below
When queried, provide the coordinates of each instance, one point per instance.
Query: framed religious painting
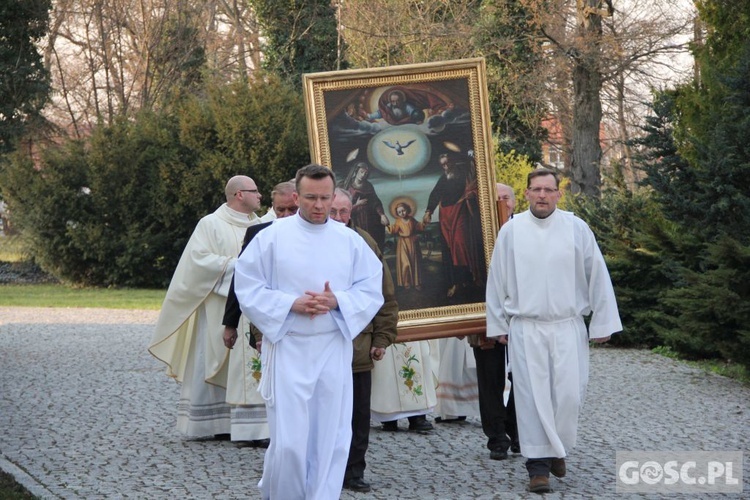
(412, 145)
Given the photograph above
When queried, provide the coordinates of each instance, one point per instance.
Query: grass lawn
(56, 295)
(11, 490)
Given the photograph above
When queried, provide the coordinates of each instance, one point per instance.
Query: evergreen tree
(668, 174)
(709, 312)
(24, 81)
(644, 253)
(712, 129)
(698, 159)
(256, 130)
(108, 210)
(118, 208)
(301, 36)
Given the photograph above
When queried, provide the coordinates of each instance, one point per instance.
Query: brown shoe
(539, 484)
(558, 467)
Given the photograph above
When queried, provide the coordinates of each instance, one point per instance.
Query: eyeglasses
(343, 211)
(247, 191)
(538, 190)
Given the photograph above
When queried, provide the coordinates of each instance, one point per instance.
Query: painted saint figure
(408, 251)
(456, 195)
(367, 209)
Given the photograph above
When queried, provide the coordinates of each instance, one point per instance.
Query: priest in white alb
(189, 331)
(310, 285)
(546, 274)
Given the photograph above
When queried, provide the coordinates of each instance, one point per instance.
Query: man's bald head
(242, 194)
(235, 184)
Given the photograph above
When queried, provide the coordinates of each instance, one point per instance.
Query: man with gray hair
(506, 195)
(282, 202)
(498, 416)
(369, 346)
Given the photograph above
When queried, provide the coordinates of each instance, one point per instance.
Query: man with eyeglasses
(369, 346)
(188, 332)
(283, 204)
(546, 274)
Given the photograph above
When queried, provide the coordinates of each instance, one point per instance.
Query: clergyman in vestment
(188, 335)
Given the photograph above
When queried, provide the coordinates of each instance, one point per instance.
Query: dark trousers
(498, 422)
(355, 465)
(539, 466)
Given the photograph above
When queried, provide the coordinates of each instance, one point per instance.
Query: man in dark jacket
(369, 346)
(282, 205)
(498, 419)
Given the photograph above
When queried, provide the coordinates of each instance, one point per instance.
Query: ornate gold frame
(442, 320)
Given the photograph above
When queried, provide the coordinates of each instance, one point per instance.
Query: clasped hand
(315, 303)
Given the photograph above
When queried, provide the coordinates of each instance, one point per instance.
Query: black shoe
(515, 447)
(391, 426)
(356, 484)
(498, 454)
(222, 437)
(261, 443)
(440, 420)
(419, 423)
(255, 443)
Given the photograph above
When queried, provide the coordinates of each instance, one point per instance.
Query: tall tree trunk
(103, 41)
(587, 105)
(626, 156)
(587, 117)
